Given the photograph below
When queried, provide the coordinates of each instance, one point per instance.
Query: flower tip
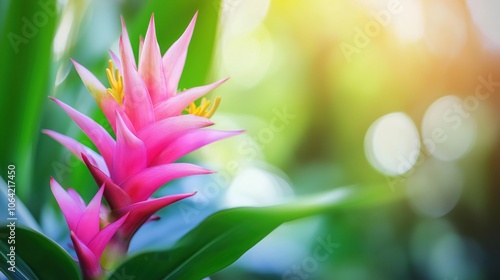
(193, 21)
(219, 82)
(72, 190)
(54, 135)
(151, 27)
(191, 25)
(118, 223)
(120, 123)
(209, 171)
(77, 65)
(122, 20)
(57, 101)
(124, 28)
(55, 187)
(100, 192)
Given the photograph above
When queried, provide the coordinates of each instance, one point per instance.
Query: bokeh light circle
(257, 186)
(392, 144)
(448, 127)
(485, 15)
(434, 188)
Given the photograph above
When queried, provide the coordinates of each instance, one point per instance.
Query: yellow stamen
(115, 81)
(203, 110)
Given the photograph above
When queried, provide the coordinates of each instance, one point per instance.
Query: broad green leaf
(21, 270)
(226, 235)
(36, 256)
(21, 213)
(25, 52)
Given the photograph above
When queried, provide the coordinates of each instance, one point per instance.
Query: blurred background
(331, 93)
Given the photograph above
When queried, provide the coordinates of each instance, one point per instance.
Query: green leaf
(22, 270)
(226, 235)
(27, 32)
(22, 213)
(36, 256)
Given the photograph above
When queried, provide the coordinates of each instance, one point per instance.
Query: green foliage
(36, 256)
(22, 213)
(226, 235)
(25, 51)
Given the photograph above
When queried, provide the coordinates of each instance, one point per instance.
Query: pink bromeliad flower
(84, 223)
(145, 111)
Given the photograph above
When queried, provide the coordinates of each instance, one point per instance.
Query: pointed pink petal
(96, 88)
(70, 209)
(175, 58)
(125, 45)
(114, 195)
(151, 67)
(100, 241)
(158, 135)
(141, 45)
(175, 105)
(88, 226)
(130, 155)
(189, 142)
(142, 185)
(140, 212)
(116, 60)
(137, 102)
(89, 263)
(126, 120)
(106, 101)
(77, 199)
(97, 134)
(78, 149)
